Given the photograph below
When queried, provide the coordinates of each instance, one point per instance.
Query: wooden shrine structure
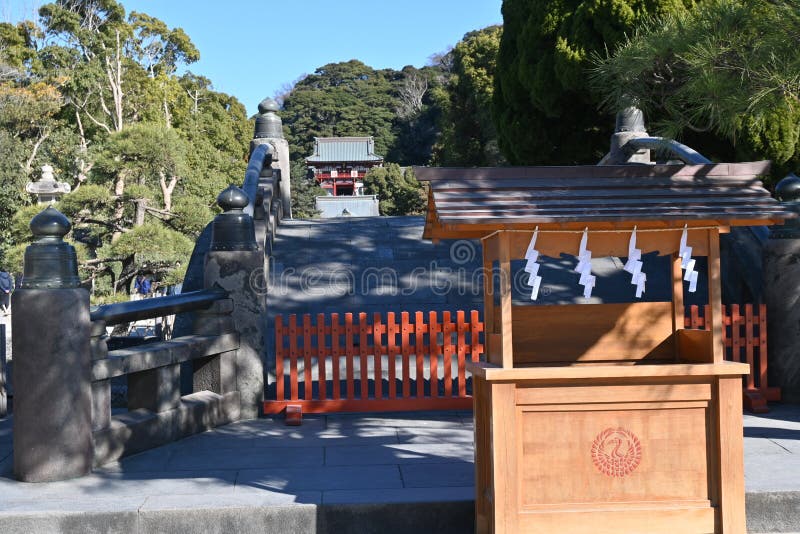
(339, 164)
(603, 417)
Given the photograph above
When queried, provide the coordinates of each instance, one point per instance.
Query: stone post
(629, 125)
(782, 295)
(236, 263)
(269, 129)
(52, 359)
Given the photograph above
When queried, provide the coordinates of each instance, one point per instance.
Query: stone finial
(232, 199)
(268, 123)
(233, 229)
(50, 224)
(630, 119)
(788, 192)
(268, 105)
(50, 263)
(788, 189)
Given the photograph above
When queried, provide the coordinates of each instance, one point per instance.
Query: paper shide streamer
(531, 267)
(584, 267)
(634, 265)
(687, 262)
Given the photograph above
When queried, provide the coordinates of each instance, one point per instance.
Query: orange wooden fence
(745, 339)
(342, 363)
(334, 350)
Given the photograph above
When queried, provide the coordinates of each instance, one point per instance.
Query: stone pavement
(362, 473)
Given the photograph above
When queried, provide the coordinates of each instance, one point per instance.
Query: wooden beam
(678, 311)
(505, 327)
(715, 296)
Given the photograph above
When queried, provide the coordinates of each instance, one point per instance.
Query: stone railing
(63, 423)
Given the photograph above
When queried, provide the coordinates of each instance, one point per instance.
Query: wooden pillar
(488, 299)
(715, 296)
(504, 257)
(504, 458)
(678, 308)
(730, 453)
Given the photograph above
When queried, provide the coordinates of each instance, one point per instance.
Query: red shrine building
(340, 163)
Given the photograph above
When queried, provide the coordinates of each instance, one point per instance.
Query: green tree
(543, 109)
(340, 99)
(468, 135)
(305, 190)
(730, 69)
(399, 192)
(95, 93)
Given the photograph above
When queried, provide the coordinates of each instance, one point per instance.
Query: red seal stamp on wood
(616, 452)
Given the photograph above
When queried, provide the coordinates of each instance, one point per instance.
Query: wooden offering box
(603, 417)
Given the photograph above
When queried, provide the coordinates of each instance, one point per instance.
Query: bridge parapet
(63, 424)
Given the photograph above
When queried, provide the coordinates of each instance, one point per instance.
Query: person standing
(6, 287)
(141, 287)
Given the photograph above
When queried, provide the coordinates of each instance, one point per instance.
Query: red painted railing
(342, 363)
(745, 339)
(332, 350)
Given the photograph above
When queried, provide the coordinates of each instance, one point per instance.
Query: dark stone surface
(782, 296)
(52, 373)
(239, 272)
(157, 390)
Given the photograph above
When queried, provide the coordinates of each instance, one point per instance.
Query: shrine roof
(343, 149)
(724, 194)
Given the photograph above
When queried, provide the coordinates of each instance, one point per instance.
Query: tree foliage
(468, 135)
(340, 99)
(730, 68)
(543, 109)
(93, 91)
(398, 191)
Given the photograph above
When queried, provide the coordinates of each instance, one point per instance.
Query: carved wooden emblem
(616, 452)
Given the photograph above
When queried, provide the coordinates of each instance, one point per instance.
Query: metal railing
(125, 312)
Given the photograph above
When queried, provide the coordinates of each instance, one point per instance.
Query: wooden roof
(467, 202)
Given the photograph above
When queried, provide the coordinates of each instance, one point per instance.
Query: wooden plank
(537, 194)
(749, 338)
(447, 352)
(350, 354)
(293, 354)
(419, 332)
(434, 350)
(715, 296)
(279, 356)
(730, 455)
(476, 327)
(468, 178)
(608, 243)
(505, 328)
(322, 355)
(596, 332)
(505, 452)
(489, 249)
(461, 345)
(663, 519)
(695, 317)
(308, 385)
(678, 308)
(335, 354)
(377, 353)
(736, 332)
(762, 349)
(405, 330)
(573, 373)
(615, 394)
(371, 405)
(391, 353)
(363, 351)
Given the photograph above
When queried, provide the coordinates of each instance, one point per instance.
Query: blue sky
(251, 48)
